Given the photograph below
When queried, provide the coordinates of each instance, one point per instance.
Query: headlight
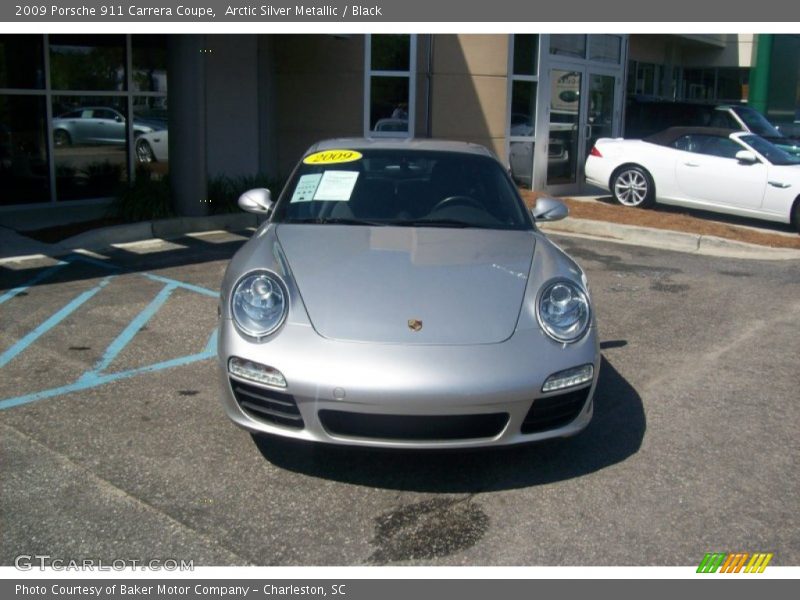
(563, 311)
(259, 303)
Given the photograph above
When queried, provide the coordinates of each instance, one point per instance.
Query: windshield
(756, 122)
(770, 151)
(411, 188)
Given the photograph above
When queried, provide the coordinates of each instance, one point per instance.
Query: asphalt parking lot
(113, 444)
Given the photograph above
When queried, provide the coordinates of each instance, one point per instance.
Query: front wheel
(633, 186)
(61, 138)
(144, 153)
(795, 216)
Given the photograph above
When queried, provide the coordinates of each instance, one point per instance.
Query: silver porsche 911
(401, 295)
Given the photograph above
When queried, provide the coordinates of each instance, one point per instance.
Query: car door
(708, 172)
(109, 126)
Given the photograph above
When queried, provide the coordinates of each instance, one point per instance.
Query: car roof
(401, 144)
(666, 137)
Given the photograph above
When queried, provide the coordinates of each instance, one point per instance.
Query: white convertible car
(699, 167)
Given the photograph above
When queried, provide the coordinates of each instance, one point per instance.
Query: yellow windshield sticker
(331, 157)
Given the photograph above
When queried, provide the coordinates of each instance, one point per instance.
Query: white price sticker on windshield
(336, 185)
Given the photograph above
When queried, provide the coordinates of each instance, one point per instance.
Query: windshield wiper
(335, 221)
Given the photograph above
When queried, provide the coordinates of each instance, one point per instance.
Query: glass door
(584, 106)
(564, 127)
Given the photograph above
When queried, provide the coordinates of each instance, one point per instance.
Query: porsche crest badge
(414, 324)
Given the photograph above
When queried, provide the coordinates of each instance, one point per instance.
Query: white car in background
(720, 170)
(152, 147)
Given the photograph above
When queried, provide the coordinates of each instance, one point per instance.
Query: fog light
(568, 378)
(247, 369)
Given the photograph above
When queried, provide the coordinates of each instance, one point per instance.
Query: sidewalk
(14, 245)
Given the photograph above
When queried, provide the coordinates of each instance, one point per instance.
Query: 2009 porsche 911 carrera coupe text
(401, 295)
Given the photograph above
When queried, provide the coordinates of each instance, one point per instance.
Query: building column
(186, 74)
(758, 94)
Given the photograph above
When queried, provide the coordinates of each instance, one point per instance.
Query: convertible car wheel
(144, 153)
(632, 186)
(796, 215)
(61, 138)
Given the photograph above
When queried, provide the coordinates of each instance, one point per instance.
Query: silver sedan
(401, 295)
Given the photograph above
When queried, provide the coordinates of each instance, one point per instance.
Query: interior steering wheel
(457, 201)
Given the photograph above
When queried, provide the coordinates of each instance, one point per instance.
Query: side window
(720, 146)
(686, 143)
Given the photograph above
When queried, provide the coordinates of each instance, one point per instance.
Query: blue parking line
(186, 286)
(79, 385)
(32, 281)
(51, 322)
(96, 376)
(124, 338)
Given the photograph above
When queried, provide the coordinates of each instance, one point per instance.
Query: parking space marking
(208, 352)
(33, 281)
(124, 338)
(51, 322)
(97, 375)
(186, 286)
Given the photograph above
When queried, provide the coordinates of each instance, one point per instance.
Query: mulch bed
(675, 219)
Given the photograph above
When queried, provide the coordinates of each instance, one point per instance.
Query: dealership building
(82, 115)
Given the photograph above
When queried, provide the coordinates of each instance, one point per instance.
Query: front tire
(632, 186)
(144, 152)
(61, 138)
(795, 216)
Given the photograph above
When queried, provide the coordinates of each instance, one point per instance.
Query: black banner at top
(377, 11)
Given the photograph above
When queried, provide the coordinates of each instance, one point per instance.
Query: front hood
(365, 284)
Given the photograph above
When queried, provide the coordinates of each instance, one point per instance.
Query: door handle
(692, 164)
(780, 184)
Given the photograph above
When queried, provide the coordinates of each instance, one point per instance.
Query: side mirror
(549, 209)
(258, 201)
(745, 156)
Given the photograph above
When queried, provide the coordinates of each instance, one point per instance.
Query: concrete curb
(157, 229)
(667, 240)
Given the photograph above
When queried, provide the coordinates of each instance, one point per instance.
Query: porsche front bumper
(408, 396)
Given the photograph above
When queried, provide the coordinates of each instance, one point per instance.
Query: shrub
(146, 199)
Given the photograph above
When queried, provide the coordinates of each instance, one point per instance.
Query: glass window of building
(732, 84)
(526, 54)
(149, 60)
(390, 85)
(605, 48)
(149, 106)
(523, 86)
(83, 131)
(570, 44)
(21, 62)
(87, 62)
(698, 84)
(89, 145)
(24, 172)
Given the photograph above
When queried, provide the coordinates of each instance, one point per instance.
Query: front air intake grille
(555, 411)
(417, 428)
(264, 404)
